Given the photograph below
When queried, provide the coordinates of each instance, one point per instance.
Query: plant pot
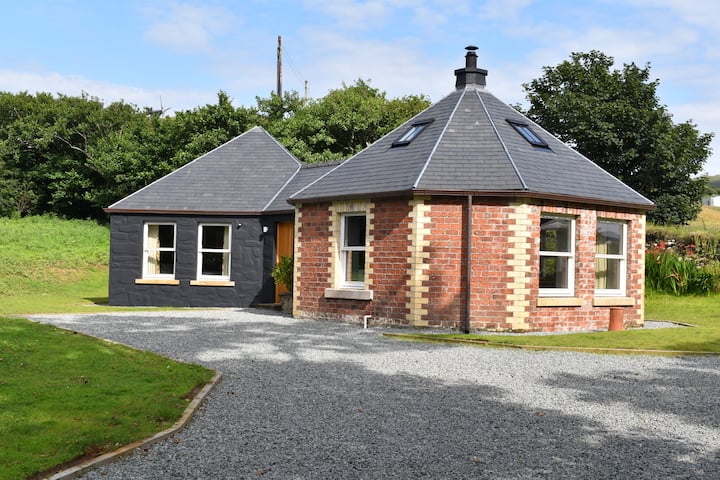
(616, 319)
(286, 302)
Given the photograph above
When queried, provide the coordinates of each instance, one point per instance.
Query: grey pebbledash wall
(252, 258)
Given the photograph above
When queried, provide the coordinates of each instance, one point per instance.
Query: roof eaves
(385, 194)
(142, 211)
(538, 195)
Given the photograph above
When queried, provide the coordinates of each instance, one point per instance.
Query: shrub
(667, 271)
(283, 272)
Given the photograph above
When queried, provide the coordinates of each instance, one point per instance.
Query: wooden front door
(283, 248)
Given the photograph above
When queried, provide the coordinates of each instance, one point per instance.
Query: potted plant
(283, 273)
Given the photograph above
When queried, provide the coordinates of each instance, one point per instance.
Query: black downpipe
(468, 264)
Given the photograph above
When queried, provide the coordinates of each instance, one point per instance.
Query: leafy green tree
(614, 118)
(191, 133)
(343, 122)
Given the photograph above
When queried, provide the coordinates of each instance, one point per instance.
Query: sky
(178, 54)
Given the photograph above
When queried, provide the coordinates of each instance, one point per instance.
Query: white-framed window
(352, 250)
(213, 252)
(610, 257)
(159, 250)
(557, 255)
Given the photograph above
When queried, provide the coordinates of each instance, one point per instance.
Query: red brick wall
(491, 254)
(389, 261)
(388, 273)
(492, 270)
(312, 257)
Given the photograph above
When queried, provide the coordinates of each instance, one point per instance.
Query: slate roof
(471, 148)
(242, 176)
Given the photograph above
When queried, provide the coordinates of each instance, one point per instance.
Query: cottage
(208, 233)
(470, 216)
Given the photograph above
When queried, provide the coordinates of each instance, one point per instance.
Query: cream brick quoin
(417, 262)
(519, 278)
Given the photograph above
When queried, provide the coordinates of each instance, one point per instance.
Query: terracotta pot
(616, 319)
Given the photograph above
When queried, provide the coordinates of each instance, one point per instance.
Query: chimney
(470, 75)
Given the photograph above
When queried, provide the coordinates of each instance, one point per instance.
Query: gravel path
(316, 400)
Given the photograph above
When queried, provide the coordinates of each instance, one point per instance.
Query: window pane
(555, 234)
(166, 235)
(609, 238)
(607, 273)
(355, 267)
(153, 240)
(355, 231)
(553, 272)
(167, 262)
(214, 263)
(215, 237)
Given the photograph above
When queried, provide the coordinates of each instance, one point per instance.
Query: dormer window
(415, 130)
(528, 134)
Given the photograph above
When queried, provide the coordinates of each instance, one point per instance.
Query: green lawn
(62, 394)
(700, 311)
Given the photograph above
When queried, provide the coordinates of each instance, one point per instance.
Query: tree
(343, 122)
(614, 118)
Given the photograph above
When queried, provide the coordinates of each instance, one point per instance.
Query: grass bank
(65, 395)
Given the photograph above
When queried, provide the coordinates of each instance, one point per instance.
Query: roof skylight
(415, 130)
(528, 134)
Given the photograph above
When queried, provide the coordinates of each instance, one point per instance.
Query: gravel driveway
(316, 400)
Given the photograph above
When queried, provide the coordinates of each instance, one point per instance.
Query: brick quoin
(505, 266)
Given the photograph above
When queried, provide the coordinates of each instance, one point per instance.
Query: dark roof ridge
(502, 142)
(327, 163)
(187, 165)
(439, 139)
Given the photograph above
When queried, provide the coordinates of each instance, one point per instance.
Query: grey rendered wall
(252, 257)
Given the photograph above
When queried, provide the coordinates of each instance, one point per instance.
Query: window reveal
(214, 252)
(610, 257)
(353, 251)
(557, 252)
(159, 250)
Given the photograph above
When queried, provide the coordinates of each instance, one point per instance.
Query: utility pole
(279, 67)
(306, 90)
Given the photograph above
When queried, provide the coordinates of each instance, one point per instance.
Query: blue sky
(185, 51)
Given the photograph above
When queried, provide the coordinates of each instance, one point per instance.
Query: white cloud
(353, 14)
(74, 85)
(503, 8)
(187, 28)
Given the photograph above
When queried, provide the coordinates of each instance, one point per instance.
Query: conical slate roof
(242, 176)
(472, 143)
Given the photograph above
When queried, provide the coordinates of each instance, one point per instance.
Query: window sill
(348, 294)
(559, 302)
(156, 281)
(212, 283)
(613, 302)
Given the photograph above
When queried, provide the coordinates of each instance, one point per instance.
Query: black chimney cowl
(470, 75)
